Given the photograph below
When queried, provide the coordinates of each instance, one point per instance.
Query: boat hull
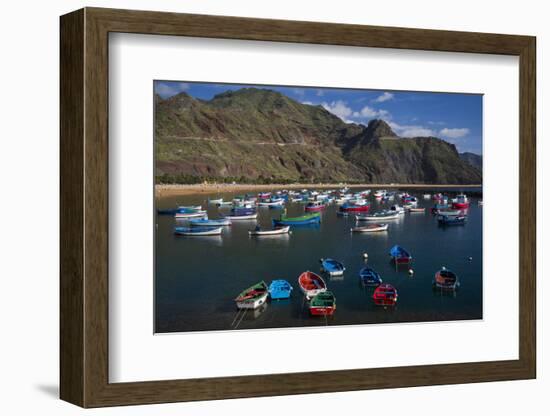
(282, 230)
(322, 310)
(370, 229)
(252, 304)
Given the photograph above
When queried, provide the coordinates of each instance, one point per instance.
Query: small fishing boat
(370, 277)
(315, 206)
(370, 228)
(257, 232)
(322, 304)
(313, 218)
(461, 202)
(451, 220)
(426, 196)
(385, 295)
(413, 209)
(215, 201)
(183, 209)
(332, 267)
(224, 203)
(400, 255)
(311, 284)
(205, 222)
(264, 195)
(280, 289)
(351, 207)
(378, 216)
(271, 202)
(197, 231)
(190, 214)
(237, 216)
(446, 280)
(252, 297)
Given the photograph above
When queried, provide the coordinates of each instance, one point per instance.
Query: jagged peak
(379, 128)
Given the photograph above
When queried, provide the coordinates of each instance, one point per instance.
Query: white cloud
(454, 133)
(338, 108)
(384, 97)
(436, 123)
(369, 112)
(170, 89)
(411, 130)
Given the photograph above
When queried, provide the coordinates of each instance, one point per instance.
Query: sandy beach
(208, 188)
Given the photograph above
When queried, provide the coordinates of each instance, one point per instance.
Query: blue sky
(456, 118)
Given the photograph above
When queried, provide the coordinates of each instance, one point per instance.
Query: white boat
(427, 196)
(275, 231)
(224, 203)
(215, 201)
(449, 212)
(234, 217)
(378, 216)
(197, 231)
(184, 215)
(275, 203)
(371, 228)
(414, 209)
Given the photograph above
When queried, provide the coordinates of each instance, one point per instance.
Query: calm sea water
(197, 278)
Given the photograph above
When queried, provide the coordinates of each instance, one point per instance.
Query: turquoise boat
(313, 218)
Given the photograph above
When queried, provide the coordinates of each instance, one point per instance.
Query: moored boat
(461, 202)
(378, 216)
(385, 295)
(446, 280)
(323, 304)
(400, 255)
(451, 219)
(370, 228)
(252, 297)
(311, 284)
(197, 231)
(370, 277)
(332, 267)
(315, 206)
(190, 214)
(413, 209)
(280, 289)
(275, 231)
(205, 222)
(350, 207)
(312, 218)
(237, 216)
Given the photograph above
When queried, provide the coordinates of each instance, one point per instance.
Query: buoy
(365, 255)
(411, 272)
(470, 258)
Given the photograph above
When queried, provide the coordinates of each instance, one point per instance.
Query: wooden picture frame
(84, 207)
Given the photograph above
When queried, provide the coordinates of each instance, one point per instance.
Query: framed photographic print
(257, 207)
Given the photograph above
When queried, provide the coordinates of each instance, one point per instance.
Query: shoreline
(193, 189)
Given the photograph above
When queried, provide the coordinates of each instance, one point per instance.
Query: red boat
(311, 284)
(354, 208)
(385, 295)
(461, 202)
(315, 206)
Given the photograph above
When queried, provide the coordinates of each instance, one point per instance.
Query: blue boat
(280, 289)
(332, 267)
(400, 255)
(205, 222)
(451, 220)
(181, 209)
(369, 277)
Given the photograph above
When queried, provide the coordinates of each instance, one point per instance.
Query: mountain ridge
(260, 135)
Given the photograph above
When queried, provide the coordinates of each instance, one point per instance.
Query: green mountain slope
(258, 135)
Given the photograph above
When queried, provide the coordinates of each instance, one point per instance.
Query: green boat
(313, 218)
(252, 297)
(323, 304)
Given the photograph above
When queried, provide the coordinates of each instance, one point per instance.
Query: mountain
(473, 159)
(260, 135)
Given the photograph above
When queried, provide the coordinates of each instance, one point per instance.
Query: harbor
(201, 280)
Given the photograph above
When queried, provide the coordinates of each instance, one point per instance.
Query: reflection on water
(197, 277)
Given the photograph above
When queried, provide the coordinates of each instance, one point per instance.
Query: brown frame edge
(84, 207)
